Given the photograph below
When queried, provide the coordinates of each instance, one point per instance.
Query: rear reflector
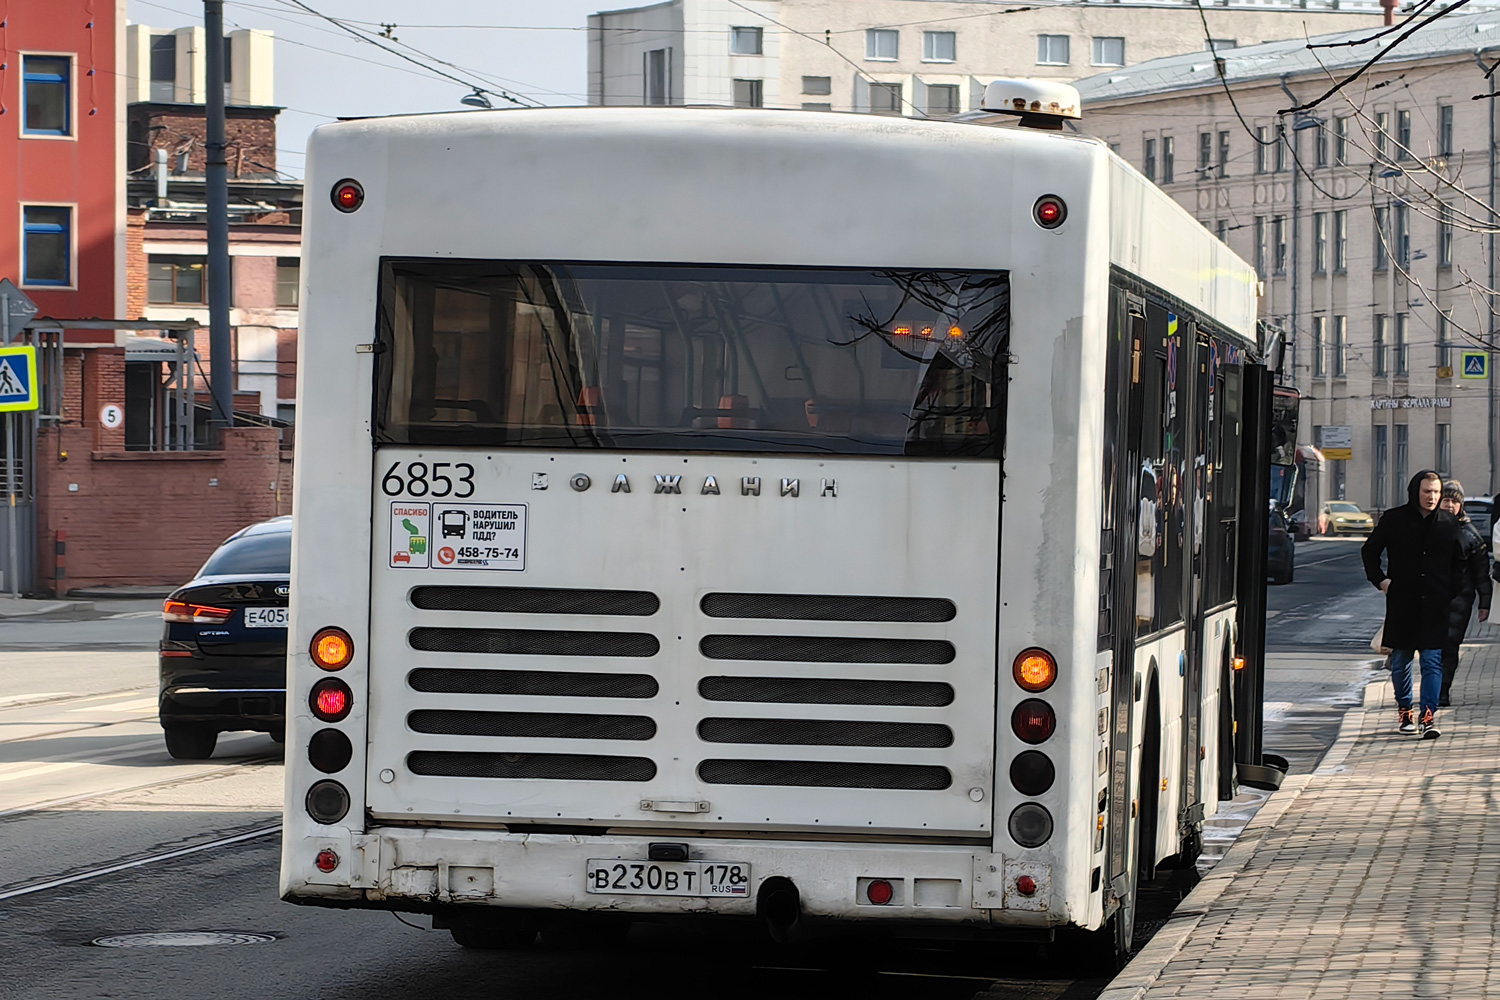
(327, 860)
(879, 892)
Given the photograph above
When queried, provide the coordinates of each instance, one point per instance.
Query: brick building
(1366, 219)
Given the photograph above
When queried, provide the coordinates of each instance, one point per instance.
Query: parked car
(1301, 525)
(1340, 517)
(1481, 511)
(223, 645)
(1280, 550)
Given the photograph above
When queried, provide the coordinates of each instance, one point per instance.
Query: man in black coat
(1424, 564)
(1473, 584)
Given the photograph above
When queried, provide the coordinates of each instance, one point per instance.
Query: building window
(939, 46)
(1260, 245)
(1379, 468)
(1278, 242)
(658, 71)
(1219, 44)
(816, 106)
(1320, 242)
(1399, 354)
(1319, 338)
(1168, 158)
(1205, 154)
(288, 275)
(1403, 235)
(942, 99)
(1382, 236)
(885, 98)
(47, 253)
(745, 41)
(1148, 162)
(1403, 135)
(882, 44)
(1340, 346)
(1402, 455)
(1444, 348)
(1109, 52)
(48, 95)
(1221, 230)
(164, 68)
(1445, 129)
(1377, 347)
(1281, 148)
(1262, 143)
(1223, 154)
(817, 85)
(1320, 146)
(748, 94)
(1341, 141)
(1340, 479)
(1052, 50)
(1114, 147)
(181, 280)
(1445, 235)
(1444, 450)
(1382, 134)
(1340, 239)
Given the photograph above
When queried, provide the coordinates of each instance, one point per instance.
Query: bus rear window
(692, 358)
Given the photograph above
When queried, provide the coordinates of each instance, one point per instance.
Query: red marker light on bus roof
(348, 195)
(1049, 211)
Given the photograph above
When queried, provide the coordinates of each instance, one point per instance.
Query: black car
(223, 647)
(1281, 549)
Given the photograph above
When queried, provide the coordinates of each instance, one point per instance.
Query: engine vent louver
(551, 766)
(825, 733)
(825, 649)
(536, 601)
(533, 642)
(822, 607)
(825, 774)
(547, 683)
(826, 691)
(532, 725)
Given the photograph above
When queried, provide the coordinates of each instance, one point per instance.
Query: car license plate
(266, 617)
(668, 878)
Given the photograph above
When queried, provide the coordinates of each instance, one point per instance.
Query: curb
(45, 608)
(1151, 961)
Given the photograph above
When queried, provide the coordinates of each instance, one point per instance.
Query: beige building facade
(909, 57)
(1366, 218)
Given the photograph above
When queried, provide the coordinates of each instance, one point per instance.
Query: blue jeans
(1432, 677)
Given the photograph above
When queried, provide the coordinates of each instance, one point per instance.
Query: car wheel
(279, 734)
(191, 742)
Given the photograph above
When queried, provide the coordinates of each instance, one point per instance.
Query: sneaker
(1429, 726)
(1407, 725)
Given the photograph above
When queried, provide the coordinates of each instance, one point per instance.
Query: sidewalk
(24, 607)
(1376, 876)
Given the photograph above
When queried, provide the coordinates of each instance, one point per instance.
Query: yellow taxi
(1340, 517)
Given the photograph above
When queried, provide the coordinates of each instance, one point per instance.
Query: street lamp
(476, 100)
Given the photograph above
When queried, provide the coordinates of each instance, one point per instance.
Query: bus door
(1195, 380)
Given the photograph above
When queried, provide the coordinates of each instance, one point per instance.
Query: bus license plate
(266, 617)
(669, 878)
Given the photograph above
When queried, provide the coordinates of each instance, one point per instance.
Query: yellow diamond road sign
(18, 388)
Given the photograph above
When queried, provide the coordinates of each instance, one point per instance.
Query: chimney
(1389, 7)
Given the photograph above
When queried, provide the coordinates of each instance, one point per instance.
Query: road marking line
(48, 766)
(14, 700)
(124, 706)
(104, 793)
(54, 883)
(132, 614)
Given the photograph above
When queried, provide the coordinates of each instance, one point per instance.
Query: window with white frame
(288, 278)
(47, 95)
(164, 68)
(939, 46)
(47, 245)
(885, 98)
(882, 44)
(1052, 50)
(749, 93)
(1109, 51)
(1219, 44)
(745, 41)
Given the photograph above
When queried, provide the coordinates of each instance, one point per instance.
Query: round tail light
(1030, 825)
(1026, 885)
(1050, 211)
(331, 700)
(329, 750)
(348, 195)
(1033, 720)
(332, 649)
(327, 802)
(1035, 670)
(1032, 773)
(880, 892)
(326, 860)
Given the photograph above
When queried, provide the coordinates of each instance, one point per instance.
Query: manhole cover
(182, 939)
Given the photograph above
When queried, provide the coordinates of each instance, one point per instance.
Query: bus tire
(191, 742)
(486, 933)
(1106, 951)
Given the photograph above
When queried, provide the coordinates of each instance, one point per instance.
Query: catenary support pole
(221, 360)
(12, 567)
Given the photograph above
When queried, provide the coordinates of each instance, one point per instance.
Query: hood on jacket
(1413, 487)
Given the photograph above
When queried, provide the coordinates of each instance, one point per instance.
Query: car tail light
(201, 614)
(327, 802)
(332, 649)
(1033, 720)
(1035, 669)
(331, 700)
(327, 860)
(880, 892)
(1050, 211)
(348, 195)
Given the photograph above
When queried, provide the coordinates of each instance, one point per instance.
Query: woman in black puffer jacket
(1473, 582)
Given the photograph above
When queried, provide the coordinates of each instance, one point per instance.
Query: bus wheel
(191, 742)
(488, 933)
(1104, 952)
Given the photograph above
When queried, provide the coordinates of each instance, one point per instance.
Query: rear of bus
(649, 522)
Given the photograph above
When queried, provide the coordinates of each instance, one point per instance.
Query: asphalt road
(104, 835)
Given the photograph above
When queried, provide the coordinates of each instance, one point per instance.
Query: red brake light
(331, 700)
(348, 195)
(327, 860)
(1049, 211)
(879, 892)
(202, 614)
(1025, 885)
(1033, 720)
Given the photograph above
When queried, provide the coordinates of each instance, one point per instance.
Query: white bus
(803, 518)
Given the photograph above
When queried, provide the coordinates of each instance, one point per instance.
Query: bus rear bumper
(432, 870)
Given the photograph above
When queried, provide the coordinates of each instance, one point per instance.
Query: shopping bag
(1378, 643)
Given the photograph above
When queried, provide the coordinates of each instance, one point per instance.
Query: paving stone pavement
(1376, 876)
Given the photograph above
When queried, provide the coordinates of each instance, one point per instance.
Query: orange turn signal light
(1239, 663)
(1035, 669)
(332, 649)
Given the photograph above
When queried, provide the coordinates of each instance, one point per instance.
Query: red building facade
(62, 157)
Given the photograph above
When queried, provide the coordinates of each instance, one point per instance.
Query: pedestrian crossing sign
(1476, 364)
(18, 388)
